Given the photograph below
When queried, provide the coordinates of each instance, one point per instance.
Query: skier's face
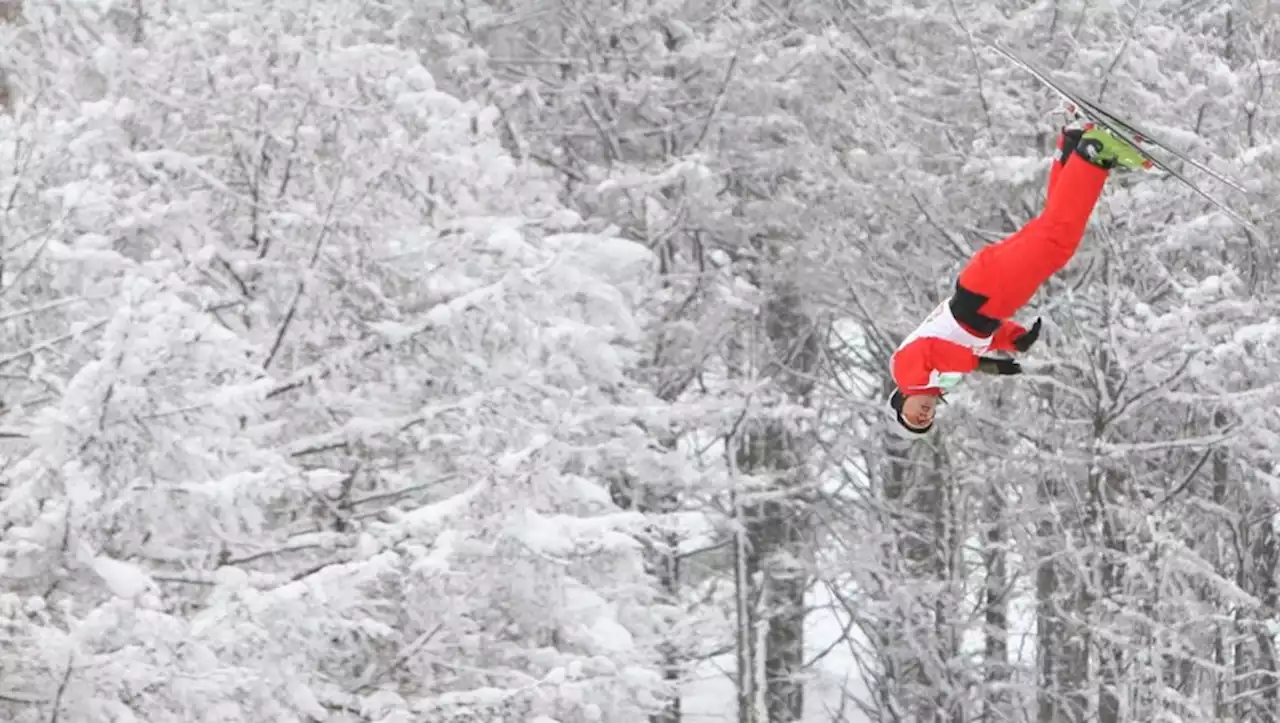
(918, 410)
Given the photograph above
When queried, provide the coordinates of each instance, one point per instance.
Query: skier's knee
(1061, 238)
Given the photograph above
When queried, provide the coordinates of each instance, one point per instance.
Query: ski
(1135, 141)
(1135, 136)
(1142, 136)
(1095, 110)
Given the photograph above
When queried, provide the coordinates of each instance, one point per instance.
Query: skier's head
(914, 412)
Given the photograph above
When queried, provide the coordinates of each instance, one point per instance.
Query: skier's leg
(1005, 275)
(1066, 145)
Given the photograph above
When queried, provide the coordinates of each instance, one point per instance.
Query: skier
(999, 279)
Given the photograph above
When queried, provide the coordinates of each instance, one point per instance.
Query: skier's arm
(1002, 340)
(917, 366)
(1012, 337)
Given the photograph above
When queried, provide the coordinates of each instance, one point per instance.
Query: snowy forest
(457, 361)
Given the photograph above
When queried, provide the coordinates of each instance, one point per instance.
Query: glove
(991, 365)
(1023, 341)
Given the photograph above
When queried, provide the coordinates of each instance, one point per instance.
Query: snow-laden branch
(390, 332)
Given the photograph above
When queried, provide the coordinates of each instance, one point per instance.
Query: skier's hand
(1023, 341)
(992, 365)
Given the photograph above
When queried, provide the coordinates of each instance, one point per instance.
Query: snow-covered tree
(332, 383)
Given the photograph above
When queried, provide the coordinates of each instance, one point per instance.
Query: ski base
(1141, 140)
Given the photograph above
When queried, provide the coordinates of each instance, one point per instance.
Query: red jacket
(940, 351)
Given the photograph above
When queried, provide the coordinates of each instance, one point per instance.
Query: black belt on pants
(964, 307)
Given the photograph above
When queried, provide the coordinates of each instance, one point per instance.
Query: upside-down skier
(999, 279)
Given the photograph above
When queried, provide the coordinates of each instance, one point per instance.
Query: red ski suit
(998, 281)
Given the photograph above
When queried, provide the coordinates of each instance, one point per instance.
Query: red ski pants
(1010, 271)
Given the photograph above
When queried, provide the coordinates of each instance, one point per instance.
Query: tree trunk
(912, 504)
(663, 563)
(1223, 688)
(1259, 578)
(1266, 555)
(777, 529)
(995, 611)
(949, 621)
(1062, 646)
(745, 582)
(667, 564)
(1111, 579)
(770, 588)
(10, 11)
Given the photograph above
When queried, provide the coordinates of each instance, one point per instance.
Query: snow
(429, 517)
(305, 701)
(599, 631)
(611, 258)
(394, 330)
(563, 534)
(1256, 333)
(125, 580)
(1013, 170)
(834, 678)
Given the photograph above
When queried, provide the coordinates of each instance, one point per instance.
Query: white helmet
(901, 428)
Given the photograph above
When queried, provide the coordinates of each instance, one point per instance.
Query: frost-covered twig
(1187, 479)
(284, 326)
(1121, 450)
(1172, 378)
(208, 581)
(718, 103)
(21, 163)
(609, 139)
(31, 262)
(977, 67)
(62, 689)
(400, 492)
(240, 283)
(4, 361)
(22, 698)
(28, 311)
(361, 428)
(307, 541)
(403, 657)
(437, 315)
(287, 174)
